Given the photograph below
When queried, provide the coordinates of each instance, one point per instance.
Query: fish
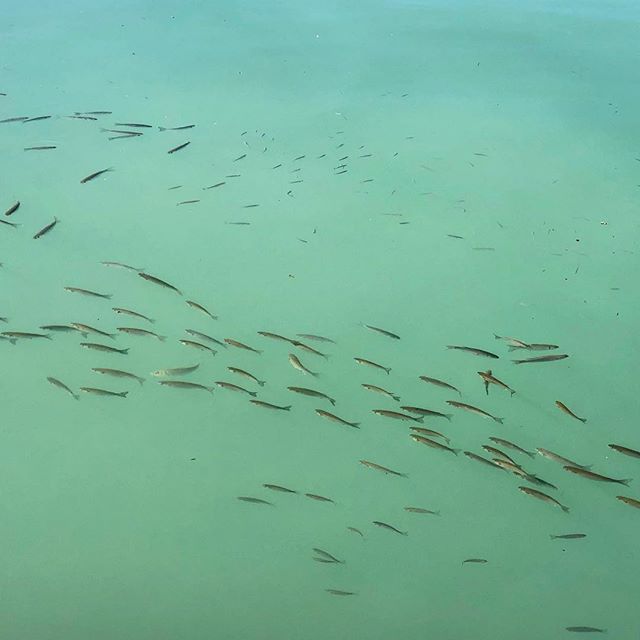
(568, 536)
(103, 347)
(277, 487)
(375, 365)
(561, 459)
(159, 282)
(535, 346)
(181, 384)
(187, 202)
(48, 147)
(135, 331)
(234, 387)
(536, 480)
(177, 371)
(246, 374)
(427, 412)
(214, 186)
(133, 314)
(440, 383)
(318, 498)
(580, 629)
(563, 407)
(124, 133)
(16, 119)
(475, 561)
(472, 409)
(311, 336)
(384, 332)
(241, 345)
(268, 405)
(340, 592)
(379, 467)
(296, 364)
(182, 128)
(179, 147)
(628, 452)
(543, 496)
(500, 454)
(46, 229)
(488, 378)
(474, 351)
(308, 349)
(396, 415)
(356, 531)
(87, 292)
(326, 556)
(312, 393)
(632, 502)
(276, 336)
(244, 155)
(429, 432)
(61, 385)
(511, 445)
(109, 263)
(432, 443)
(389, 527)
(475, 456)
(512, 342)
(198, 345)
(104, 392)
(384, 392)
(17, 335)
(12, 209)
(14, 225)
(199, 307)
(85, 330)
(94, 113)
(254, 500)
(94, 175)
(551, 358)
(36, 119)
(421, 510)
(334, 418)
(116, 373)
(591, 475)
(59, 328)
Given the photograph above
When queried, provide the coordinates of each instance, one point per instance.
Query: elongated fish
(94, 175)
(179, 147)
(389, 527)
(133, 314)
(430, 433)
(579, 471)
(568, 536)
(474, 351)
(276, 336)
(319, 498)
(121, 265)
(560, 459)
(488, 378)
(510, 445)
(512, 342)
(87, 292)
(234, 387)
(86, 329)
(433, 443)
(375, 365)
(46, 229)
(551, 358)
(204, 336)
(354, 530)
(144, 333)
(340, 592)
(278, 487)
(181, 384)
(296, 364)
(581, 629)
(384, 392)
(117, 373)
(24, 335)
(311, 336)
(440, 383)
(422, 511)
(308, 349)
(59, 328)
(159, 282)
(563, 407)
(176, 371)
(246, 374)
(427, 412)
(475, 561)
(199, 307)
(253, 500)
(383, 332)
(198, 345)
(103, 347)
(104, 392)
(477, 458)
(396, 415)
(472, 409)
(627, 452)
(15, 225)
(268, 405)
(12, 209)
(632, 502)
(534, 493)
(241, 345)
(312, 393)
(61, 385)
(334, 418)
(326, 556)
(500, 454)
(379, 467)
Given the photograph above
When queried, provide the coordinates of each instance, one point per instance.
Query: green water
(510, 124)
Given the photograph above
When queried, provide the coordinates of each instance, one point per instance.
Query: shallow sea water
(510, 124)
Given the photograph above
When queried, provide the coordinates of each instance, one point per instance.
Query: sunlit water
(375, 133)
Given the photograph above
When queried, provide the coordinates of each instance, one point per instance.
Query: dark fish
(241, 345)
(42, 148)
(543, 496)
(421, 510)
(199, 307)
(488, 378)
(472, 409)
(433, 444)
(440, 383)
(59, 328)
(276, 336)
(109, 263)
(586, 629)
(474, 351)
(254, 500)
(513, 343)
(124, 133)
(308, 349)
(511, 445)
(373, 364)
(427, 412)
(246, 374)
(15, 225)
(159, 282)
(334, 418)
(187, 202)
(552, 358)
(180, 146)
(133, 124)
(315, 496)
(182, 128)
(579, 471)
(396, 415)
(384, 332)
(535, 346)
(13, 208)
(16, 119)
(204, 336)
(133, 314)
(104, 392)
(356, 531)
(326, 556)
(234, 387)
(198, 345)
(181, 384)
(340, 592)
(277, 487)
(296, 364)
(213, 186)
(500, 454)
(36, 119)
(94, 175)
(475, 561)
(61, 385)
(373, 387)
(563, 407)
(103, 347)
(379, 467)
(88, 292)
(628, 452)
(429, 432)
(46, 229)
(310, 392)
(632, 502)
(568, 536)
(389, 527)
(475, 456)
(268, 405)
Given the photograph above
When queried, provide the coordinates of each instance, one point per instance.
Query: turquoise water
(512, 125)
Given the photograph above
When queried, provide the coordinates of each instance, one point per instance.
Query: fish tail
(315, 374)
(75, 396)
(123, 394)
(565, 509)
(332, 401)
(210, 389)
(124, 351)
(159, 129)
(162, 338)
(355, 425)
(260, 383)
(552, 537)
(253, 393)
(436, 513)
(497, 337)
(419, 419)
(531, 455)
(84, 334)
(48, 337)
(396, 398)
(500, 420)
(448, 416)
(512, 348)
(518, 361)
(625, 481)
(387, 369)
(108, 296)
(287, 408)
(456, 451)
(12, 340)
(140, 381)
(512, 392)
(583, 420)
(152, 320)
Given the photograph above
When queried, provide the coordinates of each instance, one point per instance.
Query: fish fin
(565, 509)
(489, 372)
(260, 383)
(253, 393)
(210, 389)
(500, 420)
(387, 369)
(531, 455)
(123, 394)
(552, 537)
(512, 348)
(517, 361)
(396, 398)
